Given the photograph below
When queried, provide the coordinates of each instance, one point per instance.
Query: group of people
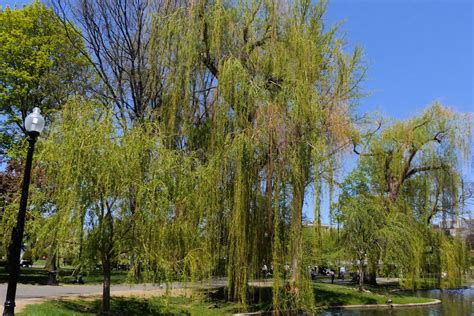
(312, 270)
(315, 270)
(268, 272)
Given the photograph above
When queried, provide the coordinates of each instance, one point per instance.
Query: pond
(456, 302)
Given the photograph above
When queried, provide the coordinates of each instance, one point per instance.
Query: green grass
(117, 277)
(325, 294)
(40, 262)
(334, 295)
(131, 306)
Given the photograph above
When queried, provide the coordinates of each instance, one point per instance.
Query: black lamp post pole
(14, 248)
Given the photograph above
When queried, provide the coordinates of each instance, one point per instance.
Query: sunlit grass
(326, 295)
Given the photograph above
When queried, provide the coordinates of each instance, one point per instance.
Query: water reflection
(454, 303)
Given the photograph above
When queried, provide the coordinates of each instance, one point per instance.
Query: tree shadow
(258, 299)
(121, 306)
(336, 299)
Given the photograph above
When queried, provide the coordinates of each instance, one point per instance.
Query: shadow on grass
(121, 306)
(206, 302)
(330, 298)
(258, 298)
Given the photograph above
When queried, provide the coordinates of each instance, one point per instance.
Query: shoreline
(388, 305)
(364, 307)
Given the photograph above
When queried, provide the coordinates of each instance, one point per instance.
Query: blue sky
(417, 51)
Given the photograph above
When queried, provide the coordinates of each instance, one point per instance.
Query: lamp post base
(9, 309)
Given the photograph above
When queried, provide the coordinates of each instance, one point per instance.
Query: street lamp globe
(34, 122)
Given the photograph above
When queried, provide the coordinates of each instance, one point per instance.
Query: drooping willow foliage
(275, 111)
(413, 170)
(255, 106)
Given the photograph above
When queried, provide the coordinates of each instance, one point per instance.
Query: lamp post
(34, 124)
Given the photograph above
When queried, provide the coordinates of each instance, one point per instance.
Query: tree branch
(414, 171)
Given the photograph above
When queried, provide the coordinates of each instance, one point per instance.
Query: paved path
(28, 291)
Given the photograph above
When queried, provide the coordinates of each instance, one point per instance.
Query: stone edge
(372, 306)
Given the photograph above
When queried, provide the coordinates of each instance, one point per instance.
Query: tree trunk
(105, 307)
(372, 271)
(51, 261)
(106, 249)
(361, 274)
(138, 271)
(372, 267)
(269, 191)
(296, 222)
(77, 271)
(318, 245)
(238, 258)
(51, 267)
(269, 229)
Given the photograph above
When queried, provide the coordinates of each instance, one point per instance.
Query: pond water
(458, 302)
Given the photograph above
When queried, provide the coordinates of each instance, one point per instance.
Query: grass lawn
(131, 306)
(117, 277)
(325, 295)
(334, 294)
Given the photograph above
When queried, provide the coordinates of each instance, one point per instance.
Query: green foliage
(39, 66)
(408, 176)
(454, 263)
(250, 115)
(253, 104)
(273, 92)
(326, 295)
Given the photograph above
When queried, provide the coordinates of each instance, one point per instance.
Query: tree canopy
(411, 171)
(205, 126)
(248, 117)
(39, 66)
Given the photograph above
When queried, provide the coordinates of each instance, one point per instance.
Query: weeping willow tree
(278, 103)
(414, 166)
(85, 182)
(91, 166)
(252, 103)
(368, 229)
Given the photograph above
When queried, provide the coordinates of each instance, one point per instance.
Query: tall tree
(39, 67)
(414, 165)
(260, 93)
(117, 37)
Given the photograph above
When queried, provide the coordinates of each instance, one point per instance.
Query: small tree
(362, 219)
(84, 165)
